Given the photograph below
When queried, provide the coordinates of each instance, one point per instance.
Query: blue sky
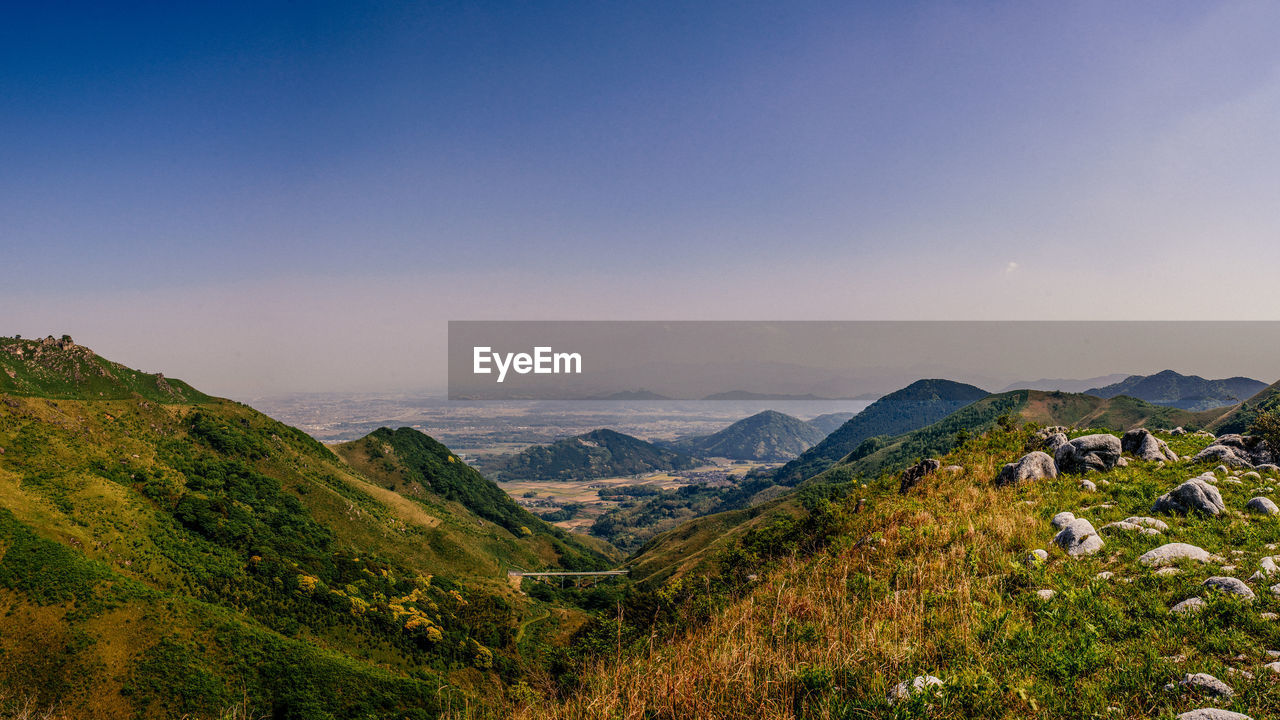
(267, 196)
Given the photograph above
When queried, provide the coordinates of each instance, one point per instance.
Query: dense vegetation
(919, 404)
(160, 559)
(599, 453)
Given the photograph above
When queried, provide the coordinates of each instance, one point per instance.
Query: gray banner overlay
(652, 360)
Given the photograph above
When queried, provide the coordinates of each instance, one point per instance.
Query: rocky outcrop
(1195, 495)
(1098, 452)
(914, 474)
(1055, 441)
(1032, 466)
(1237, 450)
(1143, 445)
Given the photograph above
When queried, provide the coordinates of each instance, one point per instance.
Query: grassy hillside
(917, 405)
(665, 555)
(1240, 418)
(61, 369)
(938, 583)
(165, 559)
(1189, 392)
(599, 453)
(768, 436)
(828, 422)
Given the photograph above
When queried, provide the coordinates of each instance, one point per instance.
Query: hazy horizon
(270, 197)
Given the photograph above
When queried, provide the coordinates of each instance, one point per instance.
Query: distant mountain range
(747, 395)
(1066, 384)
(1189, 392)
(829, 422)
(917, 405)
(641, 394)
(597, 454)
(768, 436)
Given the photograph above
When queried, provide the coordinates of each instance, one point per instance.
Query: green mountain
(828, 423)
(915, 406)
(165, 554)
(1189, 392)
(768, 436)
(599, 453)
(1238, 419)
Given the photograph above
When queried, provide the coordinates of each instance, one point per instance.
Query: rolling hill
(917, 405)
(599, 453)
(1189, 392)
(828, 422)
(164, 553)
(768, 436)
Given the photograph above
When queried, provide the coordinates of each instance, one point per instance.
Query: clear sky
(262, 197)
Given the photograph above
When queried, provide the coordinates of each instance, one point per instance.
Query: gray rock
(918, 684)
(1230, 585)
(1212, 714)
(1262, 505)
(1055, 441)
(1098, 452)
(1207, 684)
(1088, 486)
(1169, 553)
(1129, 527)
(1251, 474)
(1037, 556)
(1192, 495)
(914, 474)
(1148, 522)
(1143, 445)
(1237, 450)
(1079, 538)
(1188, 606)
(1062, 520)
(1104, 575)
(1032, 466)
(1267, 467)
(1046, 594)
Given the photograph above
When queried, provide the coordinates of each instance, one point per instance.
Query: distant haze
(844, 359)
(274, 197)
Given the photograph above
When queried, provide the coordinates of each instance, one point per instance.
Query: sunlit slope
(162, 558)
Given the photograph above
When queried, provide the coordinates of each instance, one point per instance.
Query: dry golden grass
(901, 591)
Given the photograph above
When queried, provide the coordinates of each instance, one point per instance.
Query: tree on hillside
(1266, 425)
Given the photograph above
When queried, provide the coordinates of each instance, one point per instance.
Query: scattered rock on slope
(1207, 684)
(1091, 452)
(914, 474)
(1238, 450)
(1032, 466)
(1195, 494)
(1212, 714)
(920, 683)
(1143, 445)
(1079, 538)
(1262, 505)
(1233, 586)
(1169, 553)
